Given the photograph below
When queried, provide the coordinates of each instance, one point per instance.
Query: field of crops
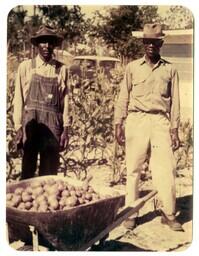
(92, 132)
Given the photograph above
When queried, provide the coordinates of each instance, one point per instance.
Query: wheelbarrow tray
(66, 230)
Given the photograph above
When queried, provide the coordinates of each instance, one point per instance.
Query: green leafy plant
(12, 154)
(92, 135)
(184, 154)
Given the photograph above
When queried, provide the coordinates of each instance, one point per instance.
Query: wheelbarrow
(74, 229)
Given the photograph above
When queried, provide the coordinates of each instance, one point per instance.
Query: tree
(116, 28)
(178, 17)
(68, 19)
(15, 33)
(149, 14)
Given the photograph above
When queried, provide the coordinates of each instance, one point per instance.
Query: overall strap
(33, 62)
(58, 66)
(33, 66)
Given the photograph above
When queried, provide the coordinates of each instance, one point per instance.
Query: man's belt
(155, 112)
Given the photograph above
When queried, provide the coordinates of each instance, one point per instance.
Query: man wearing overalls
(41, 106)
(149, 101)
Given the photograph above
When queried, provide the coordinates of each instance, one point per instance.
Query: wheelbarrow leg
(101, 244)
(103, 239)
(35, 240)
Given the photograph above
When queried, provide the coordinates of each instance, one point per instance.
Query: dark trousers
(39, 141)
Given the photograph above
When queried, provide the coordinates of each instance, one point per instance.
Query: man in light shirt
(41, 115)
(149, 104)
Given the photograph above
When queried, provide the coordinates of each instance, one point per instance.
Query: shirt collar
(143, 60)
(40, 62)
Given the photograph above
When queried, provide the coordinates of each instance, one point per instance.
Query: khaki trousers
(144, 131)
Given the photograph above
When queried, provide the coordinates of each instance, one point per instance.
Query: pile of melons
(51, 195)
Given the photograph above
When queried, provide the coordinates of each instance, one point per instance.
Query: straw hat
(46, 31)
(152, 31)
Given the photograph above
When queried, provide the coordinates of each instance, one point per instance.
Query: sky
(89, 10)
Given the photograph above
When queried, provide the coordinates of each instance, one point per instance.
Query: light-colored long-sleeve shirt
(149, 89)
(22, 85)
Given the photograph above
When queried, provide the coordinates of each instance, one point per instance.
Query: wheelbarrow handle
(124, 214)
(148, 196)
(135, 207)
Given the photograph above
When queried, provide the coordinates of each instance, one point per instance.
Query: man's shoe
(172, 223)
(130, 223)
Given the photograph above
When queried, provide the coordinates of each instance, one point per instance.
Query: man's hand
(119, 134)
(18, 139)
(64, 139)
(175, 139)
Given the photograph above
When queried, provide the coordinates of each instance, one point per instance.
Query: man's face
(152, 46)
(46, 46)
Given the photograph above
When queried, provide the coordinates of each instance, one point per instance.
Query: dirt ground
(150, 234)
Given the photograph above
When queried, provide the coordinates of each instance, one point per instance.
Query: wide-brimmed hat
(152, 31)
(48, 32)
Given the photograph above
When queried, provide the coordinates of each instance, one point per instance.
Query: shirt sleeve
(18, 100)
(65, 95)
(121, 105)
(175, 100)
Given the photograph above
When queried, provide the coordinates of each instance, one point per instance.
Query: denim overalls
(43, 124)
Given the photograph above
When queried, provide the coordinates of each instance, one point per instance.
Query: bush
(12, 65)
(92, 131)
(184, 154)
